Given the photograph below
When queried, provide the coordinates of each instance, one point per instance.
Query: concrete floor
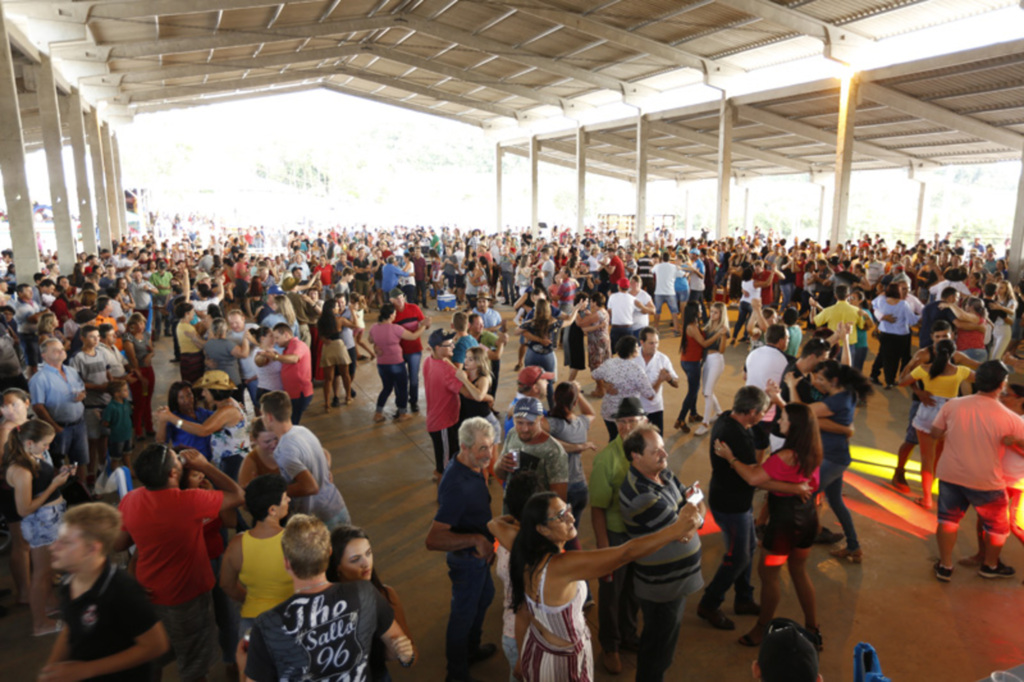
(922, 629)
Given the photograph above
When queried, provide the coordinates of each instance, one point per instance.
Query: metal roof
(497, 64)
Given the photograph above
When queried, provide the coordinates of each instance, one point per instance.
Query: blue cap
(528, 408)
(275, 290)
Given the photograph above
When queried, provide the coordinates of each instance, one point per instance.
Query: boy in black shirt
(111, 630)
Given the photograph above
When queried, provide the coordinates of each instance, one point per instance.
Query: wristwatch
(179, 423)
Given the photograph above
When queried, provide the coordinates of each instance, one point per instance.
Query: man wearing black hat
(788, 654)
(408, 315)
(617, 605)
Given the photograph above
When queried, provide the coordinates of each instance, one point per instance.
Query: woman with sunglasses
(551, 583)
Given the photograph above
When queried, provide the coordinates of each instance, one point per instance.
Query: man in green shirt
(617, 605)
(161, 279)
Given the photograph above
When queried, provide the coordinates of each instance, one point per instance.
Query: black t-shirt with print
(106, 620)
(323, 636)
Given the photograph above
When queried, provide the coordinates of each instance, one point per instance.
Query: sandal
(379, 417)
(747, 640)
(816, 632)
(924, 504)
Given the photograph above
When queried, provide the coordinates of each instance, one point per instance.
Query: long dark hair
(803, 438)
(942, 354)
(847, 378)
(691, 315)
(327, 325)
(340, 538)
(530, 546)
(564, 398)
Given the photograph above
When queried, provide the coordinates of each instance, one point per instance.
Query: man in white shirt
(644, 305)
(767, 364)
(660, 371)
(665, 273)
(620, 309)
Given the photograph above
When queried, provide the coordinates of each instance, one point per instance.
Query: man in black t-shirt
(325, 631)
(111, 630)
(730, 499)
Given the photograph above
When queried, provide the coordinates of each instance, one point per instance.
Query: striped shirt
(674, 570)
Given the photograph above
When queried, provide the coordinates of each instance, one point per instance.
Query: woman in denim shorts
(27, 468)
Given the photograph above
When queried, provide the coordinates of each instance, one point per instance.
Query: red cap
(623, 283)
(528, 376)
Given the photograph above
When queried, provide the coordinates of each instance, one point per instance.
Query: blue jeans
(682, 297)
(741, 321)
(787, 295)
(661, 300)
(692, 372)
(511, 648)
(472, 593)
(71, 445)
(392, 378)
(740, 543)
(412, 367)
(658, 638)
(616, 333)
(860, 354)
(299, 406)
(832, 485)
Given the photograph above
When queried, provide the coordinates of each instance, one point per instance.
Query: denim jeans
(472, 593)
(692, 372)
(832, 485)
(511, 649)
(860, 354)
(616, 333)
(299, 406)
(662, 300)
(787, 294)
(508, 288)
(71, 446)
(741, 321)
(740, 543)
(392, 378)
(659, 637)
(412, 368)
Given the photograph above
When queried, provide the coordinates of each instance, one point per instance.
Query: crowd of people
(222, 507)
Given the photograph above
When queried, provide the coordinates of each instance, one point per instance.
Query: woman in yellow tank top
(940, 382)
(253, 568)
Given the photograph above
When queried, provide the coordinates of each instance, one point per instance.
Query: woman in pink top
(794, 520)
(386, 337)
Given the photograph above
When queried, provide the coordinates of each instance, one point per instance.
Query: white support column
(12, 166)
(498, 158)
(642, 134)
(49, 114)
(99, 176)
(113, 202)
(747, 217)
(922, 193)
(581, 178)
(76, 124)
(122, 207)
(725, 119)
(686, 207)
(1017, 236)
(844, 156)
(534, 164)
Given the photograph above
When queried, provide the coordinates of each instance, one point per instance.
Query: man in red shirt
(615, 267)
(296, 373)
(442, 385)
(408, 315)
(764, 279)
(166, 525)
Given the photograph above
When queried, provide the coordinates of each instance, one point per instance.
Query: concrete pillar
(922, 191)
(747, 217)
(49, 114)
(498, 158)
(1017, 235)
(844, 156)
(12, 166)
(686, 211)
(94, 135)
(122, 208)
(76, 125)
(725, 118)
(642, 134)
(113, 201)
(534, 168)
(581, 178)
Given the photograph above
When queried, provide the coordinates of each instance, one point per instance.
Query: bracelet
(179, 423)
(409, 664)
(732, 463)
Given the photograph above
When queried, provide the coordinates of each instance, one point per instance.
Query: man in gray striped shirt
(650, 498)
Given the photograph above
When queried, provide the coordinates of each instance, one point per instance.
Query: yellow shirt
(184, 342)
(945, 385)
(267, 583)
(842, 311)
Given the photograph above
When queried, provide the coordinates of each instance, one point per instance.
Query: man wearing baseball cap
(532, 382)
(536, 450)
(408, 315)
(788, 654)
(442, 385)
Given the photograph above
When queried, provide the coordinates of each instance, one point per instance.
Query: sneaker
(942, 573)
(1000, 570)
(828, 537)
(701, 430)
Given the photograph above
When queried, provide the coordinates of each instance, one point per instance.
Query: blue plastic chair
(866, 666)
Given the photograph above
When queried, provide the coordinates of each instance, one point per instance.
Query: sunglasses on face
(560, 516)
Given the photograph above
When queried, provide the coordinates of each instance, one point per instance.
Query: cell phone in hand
(694, 495)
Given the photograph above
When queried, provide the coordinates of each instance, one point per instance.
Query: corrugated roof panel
(285, 46)
(182, 58)
(753, 56)
(233, 53)
(914, 16)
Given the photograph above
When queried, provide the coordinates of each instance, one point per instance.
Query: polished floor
(922, 629)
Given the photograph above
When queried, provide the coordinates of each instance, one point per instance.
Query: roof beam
(556, 161)
(655, 151)
(569, 148)
(739, 148)
(715, 73)
(404, 104)
(201, 90)
(76, 11)
(153, 48)
(152, 108)
(505, 51)
(823, 136)
(841, 44)
(944, 117)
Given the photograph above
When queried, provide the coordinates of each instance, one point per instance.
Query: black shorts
(792, 524)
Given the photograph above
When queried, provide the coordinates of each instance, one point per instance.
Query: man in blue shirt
(460, 529)
(391, 273)
(57, 393)
(490, 316)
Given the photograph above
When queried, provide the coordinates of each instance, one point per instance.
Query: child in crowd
(117, 418)
(359, 306)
